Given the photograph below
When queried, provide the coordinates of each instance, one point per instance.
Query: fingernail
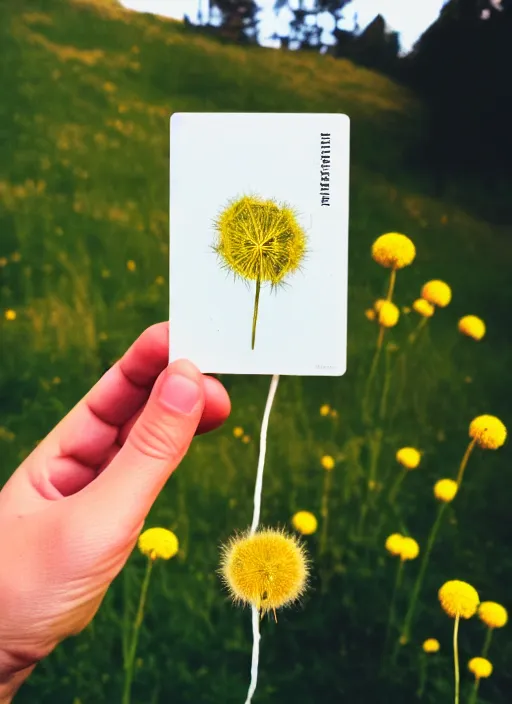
(179, 393)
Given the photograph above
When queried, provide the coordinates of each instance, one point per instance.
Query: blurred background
(86, 90)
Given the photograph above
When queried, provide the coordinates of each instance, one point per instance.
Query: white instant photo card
(259, 242)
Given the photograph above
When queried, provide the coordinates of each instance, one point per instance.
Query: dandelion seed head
(268, 569)
(437, 292)
(423, 307)
(458, 599)
(409, 457)
(409, 549)
(305, 522)
(431, 645)
(472, 326)
(445, 490)
(480, 667)
(394, 543)
(492, 614)
(260, 240)
(393, 250)
(488, 431)
(327, 462)
(158, 543)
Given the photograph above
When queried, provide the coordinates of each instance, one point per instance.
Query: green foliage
(86, 96)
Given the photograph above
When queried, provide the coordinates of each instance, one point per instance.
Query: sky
(408, 18)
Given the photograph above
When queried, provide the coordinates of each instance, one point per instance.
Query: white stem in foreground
(258, 489)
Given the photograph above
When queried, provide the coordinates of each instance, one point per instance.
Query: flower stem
(487, 642)
(128, 665)
(456, 657)
(413, 336)
(473, 697)
(391, 287)
(406, 629)
(392, 607)
(397, 484)
(255, 314)
(324, 511)
(464, 461)
(423, 675)
(386, 387)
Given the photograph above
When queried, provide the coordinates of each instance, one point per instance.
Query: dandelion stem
(473, 698)
(324, 511)
(255, 314)
(464, 461)
(423, 675)
(456, 657)
(135, 634)
(397, 484)
(406, 629)
(258, 489)
(391, 287)
(487, 642)
(392, 607)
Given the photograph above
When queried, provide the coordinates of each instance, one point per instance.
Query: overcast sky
(408, 18)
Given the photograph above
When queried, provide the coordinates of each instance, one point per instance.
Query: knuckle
(158, 440)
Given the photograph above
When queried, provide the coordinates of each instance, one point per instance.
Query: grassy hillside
(87, 90)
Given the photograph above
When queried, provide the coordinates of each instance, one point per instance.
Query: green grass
(86, 95)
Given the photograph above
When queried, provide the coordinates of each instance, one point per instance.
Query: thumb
(124, 492)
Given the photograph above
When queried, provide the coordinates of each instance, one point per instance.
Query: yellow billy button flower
(492, 614)
(10, 314)
(471, 326)
(459, 599)
(394, 544)
(409, 549)
(423, 307)
(327, 462)
(131, 265)
(370, 314)
(408, 457)
(238, 431)
(488, 432)
(304, 522)
(268, 569)
(480, 667)
(437, 292)
(246, 439)
(387, 313)
(393, 250)
(431, 645)
(158, 543)
(445, 490)
(325, 409)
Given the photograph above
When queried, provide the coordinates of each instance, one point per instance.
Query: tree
(239, 19)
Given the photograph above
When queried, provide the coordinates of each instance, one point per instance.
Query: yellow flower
(472, 326)
(268, 569)
(158, 542)
(105, 274)
(159, 281)
(109, 87)
(488, 431)
(437, 292)
(334, 413)
(431, 645)
(325, 409)
(394, 543)
(304, 522)
(480, 667)
(445, 490)
(131, 265)
(423, 307)
(458, 599)
(10, 314)
(370, 314)
(3, 261)
(238, 432)
(15, 257)
(406, 310)
(393, 250)
(492, 614)
(327, 462)
(409, 549)
(246, 439)
(388, 313)
(409, 457)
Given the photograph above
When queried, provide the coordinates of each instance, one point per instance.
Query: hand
(71, 513)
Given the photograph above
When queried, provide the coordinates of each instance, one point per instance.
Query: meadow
(87, 90)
